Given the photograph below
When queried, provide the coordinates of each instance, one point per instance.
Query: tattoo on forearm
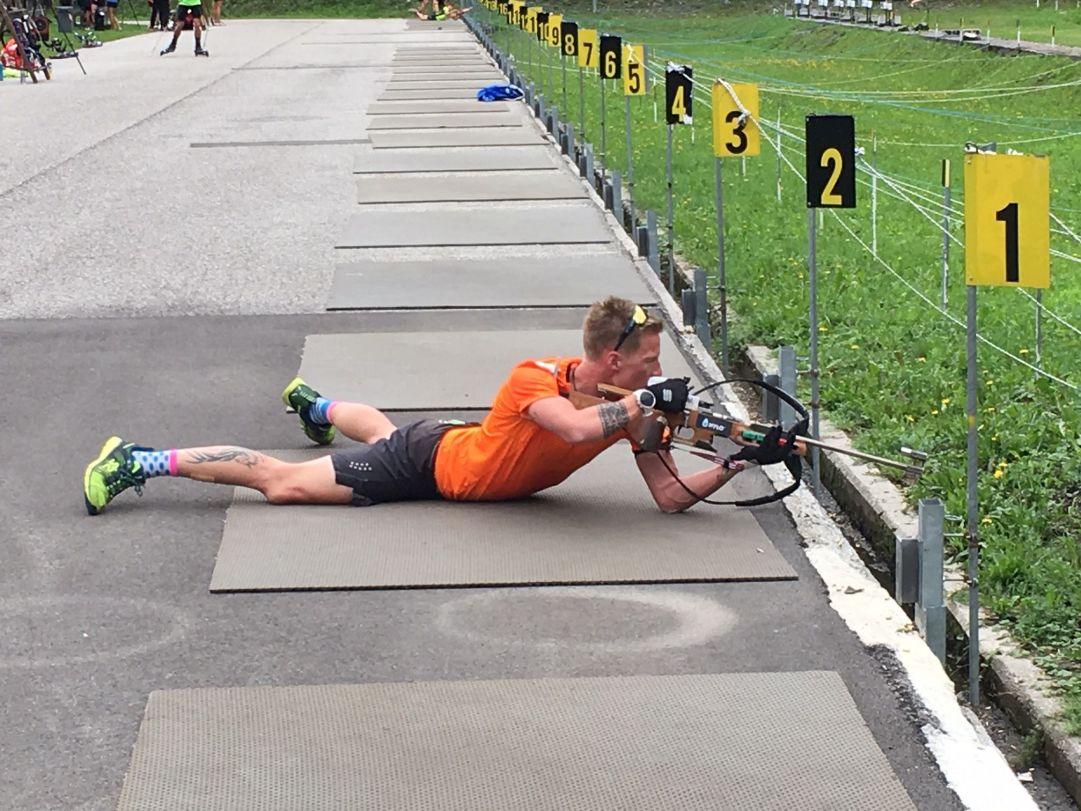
(613, 417)
(240, 455)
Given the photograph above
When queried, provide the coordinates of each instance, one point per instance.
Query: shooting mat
(422, 94)
(487, 186)
(423, 70)
(373, 161)
(444, 121)
(599, 526)
(421, 139)
(498, 224)
(570, 281)
(732, 741)
(434, 106)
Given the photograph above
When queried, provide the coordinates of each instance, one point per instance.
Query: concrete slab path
(166, 293)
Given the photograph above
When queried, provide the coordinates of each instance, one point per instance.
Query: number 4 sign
(679, 94)
(1007, 220)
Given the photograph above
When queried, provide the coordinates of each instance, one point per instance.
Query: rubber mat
(445, 26)
(469, 83)
(731, 741)
(423, 95)
(599, 526)
(432, 139)
(445, 121)
(409, 188)
(412, 70)
(448, 62)
(434, 106)
(408, 371)
(498, 224)
(325, 142)
(377, 161)
(497, 283)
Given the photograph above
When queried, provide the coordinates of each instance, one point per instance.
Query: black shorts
(398, 468)
(182, 12)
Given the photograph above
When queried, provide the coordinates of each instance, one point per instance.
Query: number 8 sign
(831, 161)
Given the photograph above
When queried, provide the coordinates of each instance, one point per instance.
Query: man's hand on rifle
(668, 395)
(773, 448)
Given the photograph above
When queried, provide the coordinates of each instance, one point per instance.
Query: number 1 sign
(1007, 220)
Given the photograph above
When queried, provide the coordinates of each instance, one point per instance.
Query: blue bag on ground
(499, 92)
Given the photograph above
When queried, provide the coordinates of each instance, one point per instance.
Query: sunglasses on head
(638, 318)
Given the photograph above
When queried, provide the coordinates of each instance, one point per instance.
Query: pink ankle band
(330, 411)
(172, 462)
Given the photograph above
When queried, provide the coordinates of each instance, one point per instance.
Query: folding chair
(65, 25)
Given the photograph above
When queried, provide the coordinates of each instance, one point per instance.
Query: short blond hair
(605, 323)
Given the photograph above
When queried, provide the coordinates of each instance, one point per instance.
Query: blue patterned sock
(319, 413)
(156, 463)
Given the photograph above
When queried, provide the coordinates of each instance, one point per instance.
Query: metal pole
(563, 67)
(947, 194)
(551, 78)
(1039, 324)
(812, 271)
(671, 217)
(603, 144)
(581, 103)
(722, 284)
(630, 159)
(874, 195)
(973, 512)
(778, 157)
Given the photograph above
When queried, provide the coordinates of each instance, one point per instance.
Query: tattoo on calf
(240, 455)
(613, 417)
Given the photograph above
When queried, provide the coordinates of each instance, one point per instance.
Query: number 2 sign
(831, 161)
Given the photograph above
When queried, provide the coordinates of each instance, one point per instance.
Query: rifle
(696, 427)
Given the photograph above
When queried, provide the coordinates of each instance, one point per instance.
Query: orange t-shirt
(509, 455)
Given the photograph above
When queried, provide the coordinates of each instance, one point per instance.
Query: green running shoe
(300, 397)
(113, 472)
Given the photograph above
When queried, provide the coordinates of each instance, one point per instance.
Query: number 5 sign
(831, 161)
(1007, 220)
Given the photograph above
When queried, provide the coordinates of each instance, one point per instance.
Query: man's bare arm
(670, 496)
(575, 425)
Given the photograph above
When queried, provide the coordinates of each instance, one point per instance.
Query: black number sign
(542, 26)
(611, 57)
(678, 94)
(831, 161)
(568, 38)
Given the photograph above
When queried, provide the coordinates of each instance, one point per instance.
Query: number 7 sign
(1007, 220)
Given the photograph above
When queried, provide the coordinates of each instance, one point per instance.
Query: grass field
(893, 363)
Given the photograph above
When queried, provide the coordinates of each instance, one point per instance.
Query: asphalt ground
(164, 293)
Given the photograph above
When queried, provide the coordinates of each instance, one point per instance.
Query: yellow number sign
(555, 22)
(587, 48)
(634, 70)
(531, 19)
(1007, 220)
(735, 135)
